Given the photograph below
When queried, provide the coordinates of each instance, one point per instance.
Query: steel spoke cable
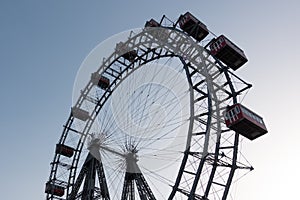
(151, 142)
(154, 111)
(157, 176)
(154, 128)
(120, 110)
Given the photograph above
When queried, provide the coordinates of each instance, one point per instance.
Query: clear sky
(42, 44)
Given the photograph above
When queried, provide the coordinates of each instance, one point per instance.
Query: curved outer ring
(195, 55)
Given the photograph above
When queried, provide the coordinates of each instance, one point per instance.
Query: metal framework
(91, 169)
(210, 160)
(134, 175)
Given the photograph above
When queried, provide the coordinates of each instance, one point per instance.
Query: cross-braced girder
(143, 189)
(91, 170)
(134, 176)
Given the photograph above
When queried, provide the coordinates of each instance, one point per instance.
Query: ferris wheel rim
(81, 97)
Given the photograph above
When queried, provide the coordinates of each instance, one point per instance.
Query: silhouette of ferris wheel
(158, 119)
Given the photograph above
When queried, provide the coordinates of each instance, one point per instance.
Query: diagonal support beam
(88, 173)
(133, 177)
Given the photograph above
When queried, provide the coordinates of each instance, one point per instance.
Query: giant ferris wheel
(159, 118)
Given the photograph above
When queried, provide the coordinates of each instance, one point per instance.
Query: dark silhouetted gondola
(64, 150)
(54, 189)
(245, 122)
(226, 51)
(193, 26)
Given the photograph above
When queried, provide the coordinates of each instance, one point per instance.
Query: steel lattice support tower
(90, 171)
(134, 175)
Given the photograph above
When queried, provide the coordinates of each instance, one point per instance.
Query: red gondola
(103, 82)
(160, 34)
(54, 189)
(245, 122)
(193, 26)
(152, 23)
(64, 150)
(129, 55)
(80, 114)
(226, 51)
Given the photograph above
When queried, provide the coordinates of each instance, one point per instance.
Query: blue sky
(43, 43)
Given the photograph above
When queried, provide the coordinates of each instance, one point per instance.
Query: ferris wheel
(158, 119)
